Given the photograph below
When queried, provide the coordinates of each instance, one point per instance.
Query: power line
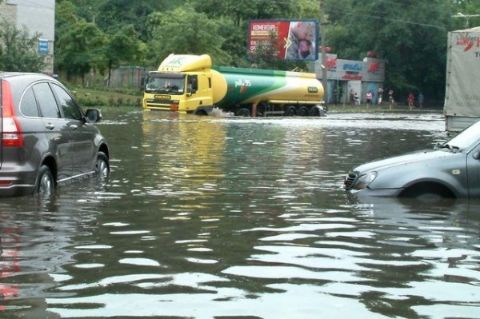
(439, 27)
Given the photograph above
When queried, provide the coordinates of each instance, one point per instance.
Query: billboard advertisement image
(287, 39)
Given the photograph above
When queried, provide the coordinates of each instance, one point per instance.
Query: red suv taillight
(12, 135)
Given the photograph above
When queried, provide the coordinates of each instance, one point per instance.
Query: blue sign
(352, 67)
(43, 46)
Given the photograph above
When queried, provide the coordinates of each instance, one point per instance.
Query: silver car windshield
(467, 138)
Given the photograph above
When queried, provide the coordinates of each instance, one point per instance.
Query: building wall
(8, 12)
(36, 16)
(345, 76)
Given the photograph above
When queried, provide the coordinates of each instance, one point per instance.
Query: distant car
(45, 137)
(450, 170)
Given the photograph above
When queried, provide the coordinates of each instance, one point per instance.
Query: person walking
(420, 99)
(369, 97)
(411, 100)
(391, 100)
(380, 96)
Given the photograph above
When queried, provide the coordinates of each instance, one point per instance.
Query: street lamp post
(323, 51)
(466, 17)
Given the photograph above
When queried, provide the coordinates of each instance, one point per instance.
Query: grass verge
(100, 98)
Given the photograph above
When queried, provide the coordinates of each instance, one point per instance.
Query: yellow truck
(190, 84)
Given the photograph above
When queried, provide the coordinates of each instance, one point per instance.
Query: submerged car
(45, 137)
(450, 170)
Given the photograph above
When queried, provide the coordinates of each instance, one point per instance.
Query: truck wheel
(302, 111)
(262, 108)
(290, 111)
(243, 112)
(314, 111)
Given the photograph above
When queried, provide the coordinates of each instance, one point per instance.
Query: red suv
(45, 136)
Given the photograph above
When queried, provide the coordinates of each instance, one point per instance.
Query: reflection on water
(222, 217)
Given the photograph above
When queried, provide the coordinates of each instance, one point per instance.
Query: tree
(80, 48)
(185, 31)
(18, 50)
(111, 15)
(467, 13)
(123, 46)
(234, 17)
(409, 35)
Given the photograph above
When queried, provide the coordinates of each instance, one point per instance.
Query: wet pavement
(211, 217)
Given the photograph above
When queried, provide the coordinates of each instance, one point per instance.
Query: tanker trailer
(189, 84)
(248, 92)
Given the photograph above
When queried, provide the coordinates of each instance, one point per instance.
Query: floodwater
(211, 217)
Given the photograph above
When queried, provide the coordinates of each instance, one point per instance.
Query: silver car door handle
(49, 126)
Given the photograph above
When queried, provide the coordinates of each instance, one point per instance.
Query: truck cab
(182, 83)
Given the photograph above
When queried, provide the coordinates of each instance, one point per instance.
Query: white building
(346, 76)
(36, 16)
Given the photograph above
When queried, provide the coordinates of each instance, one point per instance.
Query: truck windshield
(165, 83)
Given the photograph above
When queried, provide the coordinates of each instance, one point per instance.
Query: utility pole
(323, 51)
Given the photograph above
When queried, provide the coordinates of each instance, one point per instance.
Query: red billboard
(284, 39)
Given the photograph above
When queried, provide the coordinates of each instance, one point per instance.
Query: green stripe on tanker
(198, 88)
(248, 85)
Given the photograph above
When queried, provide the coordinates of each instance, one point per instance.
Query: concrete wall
(36, 16)
(8, 12)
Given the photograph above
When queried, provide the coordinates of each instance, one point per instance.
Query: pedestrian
(352, 97)
(420, 99)
(356, 99)
(380, 96)
(369, 97)
(390, 98)
(411, 100)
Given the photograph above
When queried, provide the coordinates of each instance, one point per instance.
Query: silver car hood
(406, 159)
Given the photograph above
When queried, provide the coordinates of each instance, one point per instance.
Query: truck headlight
(365, 179)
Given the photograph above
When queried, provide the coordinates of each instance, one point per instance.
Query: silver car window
(46, 100)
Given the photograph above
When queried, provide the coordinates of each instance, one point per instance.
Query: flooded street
(210, 217)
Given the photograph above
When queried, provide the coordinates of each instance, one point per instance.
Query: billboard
(368, 70)
(285, 39)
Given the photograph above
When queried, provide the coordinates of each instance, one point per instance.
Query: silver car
(450, 170)
(45, 137)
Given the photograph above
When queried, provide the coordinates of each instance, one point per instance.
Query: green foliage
(100, 98)
(79, 44)
(467, 14)
(18, 50)
(185, 31)
(112, 15)
(409, 35)
(123, 47)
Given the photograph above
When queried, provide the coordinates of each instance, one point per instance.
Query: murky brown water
(241, 218)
